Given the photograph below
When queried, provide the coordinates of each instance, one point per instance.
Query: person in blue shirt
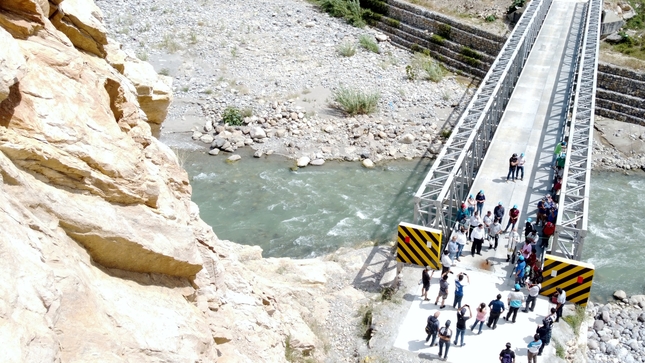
(463, 214)
(534, 348)
(459, 289)
(520, 270)
(496, 309)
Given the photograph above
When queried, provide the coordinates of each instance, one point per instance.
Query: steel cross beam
(453, 172)
(571, 224)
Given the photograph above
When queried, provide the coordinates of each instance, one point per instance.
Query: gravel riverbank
(279, 61)
(618, 330)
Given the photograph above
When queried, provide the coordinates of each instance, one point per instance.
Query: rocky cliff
(104, 256)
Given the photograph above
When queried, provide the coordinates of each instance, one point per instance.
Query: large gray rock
(592, 344)
(257, 133)
(368, 163)
(317, 162)
(303, 161)
(620, 294)
(407, 139)
(598, 325)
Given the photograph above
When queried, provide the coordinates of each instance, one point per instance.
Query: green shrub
(346, 49)
(576, 319)
(470, 61)
(432, 69)
(415, 48)
(233, 116)
(559, 349)
(410, 72)
(392, 22)
(377, 6)
(368, 43)
(444, 31)
(355, 102)
(350, 10)
(437, 39)
(470, 53)
(491, 18)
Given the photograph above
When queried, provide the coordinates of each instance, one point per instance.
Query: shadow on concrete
(414, 345)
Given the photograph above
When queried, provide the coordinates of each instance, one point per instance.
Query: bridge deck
(531, 124)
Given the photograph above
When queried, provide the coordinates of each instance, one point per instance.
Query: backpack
(433, 325)
(507, 358)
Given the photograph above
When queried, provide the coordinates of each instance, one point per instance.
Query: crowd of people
(476, 228)
(443, 335)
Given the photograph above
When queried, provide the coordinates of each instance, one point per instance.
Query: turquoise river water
(315, 210)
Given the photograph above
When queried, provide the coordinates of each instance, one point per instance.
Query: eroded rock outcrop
(104, 256)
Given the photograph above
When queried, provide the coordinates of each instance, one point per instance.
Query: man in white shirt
(488, 220)
(473, 222)
(477, 237)
(534, 290)
(461, 241)
(494, 231)
(562, 299)
(446, 262)
(513, 240)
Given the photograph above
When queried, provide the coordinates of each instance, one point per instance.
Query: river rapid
(315, 210)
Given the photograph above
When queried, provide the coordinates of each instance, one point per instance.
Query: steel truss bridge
(453, 174)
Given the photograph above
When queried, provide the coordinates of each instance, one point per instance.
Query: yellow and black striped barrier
(572, 276)
(419, 245)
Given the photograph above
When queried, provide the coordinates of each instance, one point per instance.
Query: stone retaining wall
(620, 94)
(445, 39)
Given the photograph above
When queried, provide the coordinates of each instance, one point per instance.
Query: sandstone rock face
(11, 62)
(104, 256)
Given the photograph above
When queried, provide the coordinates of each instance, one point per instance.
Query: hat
(564, 143)
(521, 258)
(529, 220)
(500, 203)
(482, 191)
(463, 205)
(522, 154)
(508, 345)
(517, 287)
(515, 206)
(471, 196)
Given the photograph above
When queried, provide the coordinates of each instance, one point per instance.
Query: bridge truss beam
(571, 224)
(453, 172)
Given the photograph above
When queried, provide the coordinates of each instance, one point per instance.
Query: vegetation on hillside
(632, 42)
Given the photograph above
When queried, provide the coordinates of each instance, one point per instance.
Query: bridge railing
(571, 224)
(453, 172)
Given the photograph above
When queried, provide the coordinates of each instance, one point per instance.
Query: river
(311, 211)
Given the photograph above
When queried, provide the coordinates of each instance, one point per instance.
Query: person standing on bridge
(461, 241)
(488, 220)
(453, 248)
(471, 203)
(512, 167)
(520, 167)
(481, 199)
(499, 212)
(534, 348)
(474, 221)
(561, 297)
(459, 290)
(507, 355)
(515, 300)
(496, 309)
(425, 280)
(443, 290)
(432, 327)
(477, 238)
(494, 232)
(463, 214)
(445, 334)
(513, 216)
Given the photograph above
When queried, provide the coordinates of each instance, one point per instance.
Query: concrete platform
(484, 287)
(531, 124)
